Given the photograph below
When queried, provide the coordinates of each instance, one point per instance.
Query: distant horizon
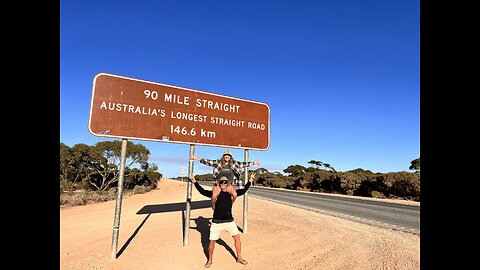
(208, 169)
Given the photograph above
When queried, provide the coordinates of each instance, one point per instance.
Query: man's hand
(192, 178)
(252, 176)
(256, 162)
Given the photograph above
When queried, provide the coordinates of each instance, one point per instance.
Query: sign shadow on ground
(173, 207)
(163, 208)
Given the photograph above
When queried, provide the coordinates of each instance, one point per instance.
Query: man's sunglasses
(223, 182)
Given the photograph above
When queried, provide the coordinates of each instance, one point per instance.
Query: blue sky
(341, 78)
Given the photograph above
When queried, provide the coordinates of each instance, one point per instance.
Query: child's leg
(233, 192)
(215, 191)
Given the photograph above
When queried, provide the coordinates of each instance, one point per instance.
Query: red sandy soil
(278, 237)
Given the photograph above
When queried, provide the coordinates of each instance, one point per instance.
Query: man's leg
(238, 247)
(211, 248)
(232, 229)
(215, 230)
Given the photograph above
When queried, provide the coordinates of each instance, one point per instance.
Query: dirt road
(278, 237)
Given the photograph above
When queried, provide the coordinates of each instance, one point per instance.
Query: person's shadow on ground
(203, 226)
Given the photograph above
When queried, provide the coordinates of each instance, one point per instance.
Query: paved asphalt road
(377, 213)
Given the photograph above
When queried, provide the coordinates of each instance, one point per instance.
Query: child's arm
(243, 164)
(208, 162)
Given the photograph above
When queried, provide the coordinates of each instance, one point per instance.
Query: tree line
(357, 182)
(97, 168)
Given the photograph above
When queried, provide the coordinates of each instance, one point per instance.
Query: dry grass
(83, 197)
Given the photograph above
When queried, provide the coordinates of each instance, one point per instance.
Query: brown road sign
(130, 108)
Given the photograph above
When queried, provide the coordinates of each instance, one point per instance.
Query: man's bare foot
(242, 261)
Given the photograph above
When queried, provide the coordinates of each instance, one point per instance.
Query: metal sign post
(188, 205)
(118, 206)
(245, 196)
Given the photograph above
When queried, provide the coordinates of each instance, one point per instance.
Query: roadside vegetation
(90, 174)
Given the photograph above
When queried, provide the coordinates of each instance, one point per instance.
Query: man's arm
(242, 191)
(206, 193)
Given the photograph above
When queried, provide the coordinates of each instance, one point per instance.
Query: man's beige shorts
(217, 228)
